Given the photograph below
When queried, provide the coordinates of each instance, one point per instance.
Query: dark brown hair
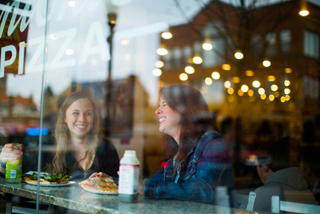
(196, 119)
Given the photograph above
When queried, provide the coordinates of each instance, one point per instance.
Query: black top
(106, 160)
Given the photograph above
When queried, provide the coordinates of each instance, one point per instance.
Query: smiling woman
(79, 150)
(199, 160)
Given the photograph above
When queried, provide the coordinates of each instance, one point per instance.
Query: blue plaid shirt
(209, 166)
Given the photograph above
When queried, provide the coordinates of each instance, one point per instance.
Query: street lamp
(303, 11)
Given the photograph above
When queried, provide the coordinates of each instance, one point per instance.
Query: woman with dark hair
(199, 158)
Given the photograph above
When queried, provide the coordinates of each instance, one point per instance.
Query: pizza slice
(100, 184)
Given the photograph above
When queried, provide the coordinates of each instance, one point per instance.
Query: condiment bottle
(14, 170)
(129, 177)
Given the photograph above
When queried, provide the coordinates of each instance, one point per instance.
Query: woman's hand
(98, 174)
(10, 152)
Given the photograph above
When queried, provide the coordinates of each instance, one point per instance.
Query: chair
(277, 206)
(246, 200)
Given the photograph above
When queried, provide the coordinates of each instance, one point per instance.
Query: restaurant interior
(256, 63)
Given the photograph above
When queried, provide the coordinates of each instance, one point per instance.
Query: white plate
(51, 185)
(98, 192)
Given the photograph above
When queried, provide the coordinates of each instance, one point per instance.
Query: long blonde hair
(62, 134)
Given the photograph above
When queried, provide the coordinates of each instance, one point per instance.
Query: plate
(51, 185)
(98, 192)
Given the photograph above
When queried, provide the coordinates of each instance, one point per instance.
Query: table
(75, 198)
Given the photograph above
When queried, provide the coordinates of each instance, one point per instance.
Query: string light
(208, 81)
(207, 45)
(266, 63)
(286, 83)
(261, 91)
(162, 50)
(249, 73)
(183, 76)
(227, 84)
(215, 75)
(226, 67)
(244, 88)
(166, 35)
(189, 69)
(157, 72)
(274, 87)
(238, 55)
(159, 64)
(197, 59)
(256, 84)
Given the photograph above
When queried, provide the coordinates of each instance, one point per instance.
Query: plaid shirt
(209, 166)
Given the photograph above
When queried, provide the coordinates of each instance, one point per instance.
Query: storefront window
(149, 102)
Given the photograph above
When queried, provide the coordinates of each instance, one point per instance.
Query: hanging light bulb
(230, 90)
(256, 84)
(236, 79)
(238, 54)
(189, 69)
(159, 64)
(261, 91)
(271, 78)
(266, 63)
(215, 75)
(227, 84)
(207, 45)
(303, 11)
(249, 73)
(166, 35)
(274, 87)
(157, 72)
(286, 83)
(197, 59)
(288, 70)
(162, 50)
(226, 67)
(208, 81)
(183, 76)
(244, 88)
(271, 97)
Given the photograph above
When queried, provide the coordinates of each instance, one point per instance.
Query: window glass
(311, 44)
(256, 46)
(285, 41)
(270, 43)
(94, 89)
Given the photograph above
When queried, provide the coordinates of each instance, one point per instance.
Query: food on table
(48, 178)
(100, 184)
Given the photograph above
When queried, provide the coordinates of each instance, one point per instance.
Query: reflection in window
(270, 44)
(311, 44)
(176, 56)
(167, 60)
(197, 47)
(187, 52)
(256, 46)
(213, 28)
(213, 57)
(285, 41)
